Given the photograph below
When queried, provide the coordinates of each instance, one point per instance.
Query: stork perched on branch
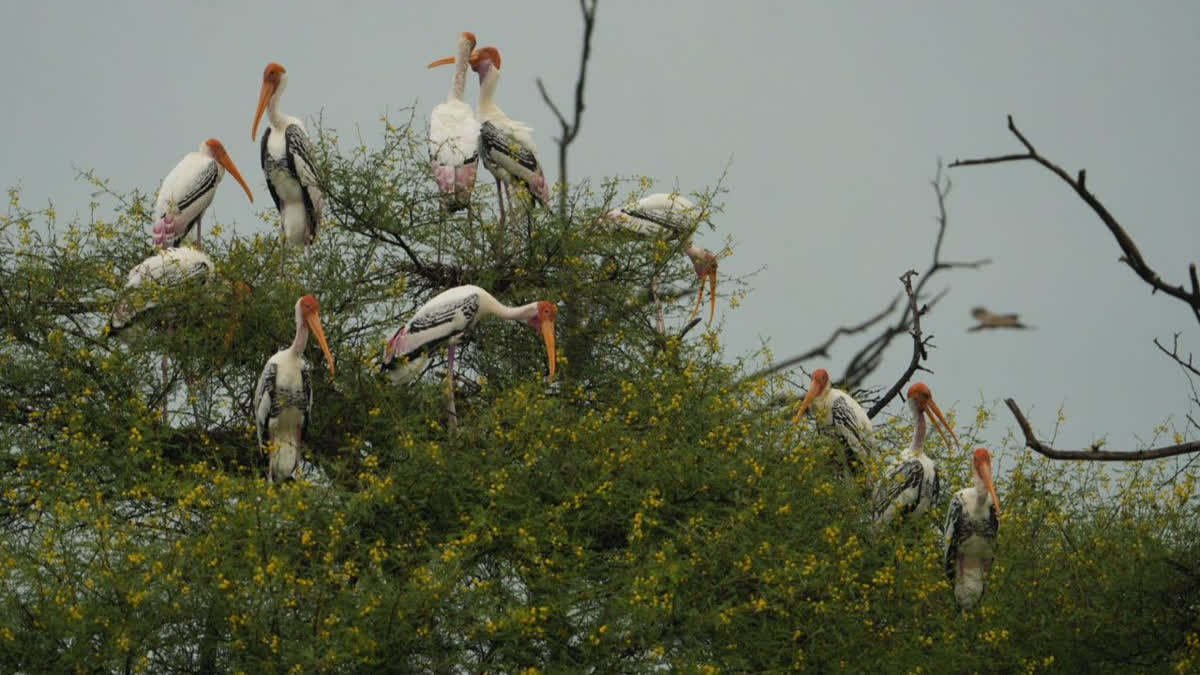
(912, 485)
(834, 408)
(187, 191)
(970, 533)
(454, 133)
(287, 160)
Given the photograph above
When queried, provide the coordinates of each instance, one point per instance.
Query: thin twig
(1094, 453)
(919, 351)
(569, 131)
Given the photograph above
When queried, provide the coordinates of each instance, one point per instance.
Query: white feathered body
(168, 269)
(186, 192)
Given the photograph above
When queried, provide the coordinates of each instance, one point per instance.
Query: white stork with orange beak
(447, 317)
(287, 160)
(283, 399)
(970, 533)
(506, 145)
(187, 191)
(671, 216)
(837, 409)
(454, 134)
(912, 485)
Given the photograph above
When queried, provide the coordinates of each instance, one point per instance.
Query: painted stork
(912, 485)
(970, 533)
(506, 145)
(705, 264)
(188, 190)
(287, 160)
(283, 399)
(448, 316)
(166, 270)
(837, 409)
(454, 134)
(671, 216)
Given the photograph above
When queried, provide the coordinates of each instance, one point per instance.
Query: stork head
(308, 311)
(273, 82)
(484, 60)
(217, 151)
(466, 43)
(543, 320)
(920, 400)
(817, 386)
(983, 469)
(705, 264)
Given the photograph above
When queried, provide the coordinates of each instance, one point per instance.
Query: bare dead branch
(1175, 356)
(867, 359)
(1131, 255)
(571, 130)
(823, 348)
(1094, 453)
(919, 351)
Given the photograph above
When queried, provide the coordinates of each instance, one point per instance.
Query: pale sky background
(834, 114)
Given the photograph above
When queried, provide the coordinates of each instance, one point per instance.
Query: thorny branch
(1094, 453)
(1130, 254)
(569, 131)
(919, 351)
(867, 360)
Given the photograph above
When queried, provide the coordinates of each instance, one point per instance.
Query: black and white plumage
(505, 145)
(287, 155)
(165, 271)
(188, 190)
(835, 409)
(447, 317)
(969, 536)
(912, 485)
(454, 134)
(674, 218)
(283, 399)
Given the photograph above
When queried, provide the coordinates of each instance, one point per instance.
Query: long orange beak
(264, 95)
(939, 422)
(547, 328)
(444, 61)
(985, 471)
(313, 319)
(223, 158)
(808, 398)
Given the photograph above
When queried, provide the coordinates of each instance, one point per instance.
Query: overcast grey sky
(834, 114)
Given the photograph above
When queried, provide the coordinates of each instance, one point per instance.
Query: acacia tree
(654, 508)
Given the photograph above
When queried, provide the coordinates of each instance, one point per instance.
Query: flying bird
(187, 191)
(506, 145)
(912, 485)
(287, 160)
(447, 317)
(454, 134)
(987, 319)
(836, 409)
(283, 399)
(969, 537)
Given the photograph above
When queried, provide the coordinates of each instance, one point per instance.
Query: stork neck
(459, 87)
(522, 313)
(981, 491)
(487, 89)
(301, 340)
(918, 434)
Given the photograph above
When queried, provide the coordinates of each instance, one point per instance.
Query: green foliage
(648, 510)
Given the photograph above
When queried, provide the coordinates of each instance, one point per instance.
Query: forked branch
(919, 343)
(571, 130)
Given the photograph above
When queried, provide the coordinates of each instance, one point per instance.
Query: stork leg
(452, 414)
(658, 310)
(500, 199)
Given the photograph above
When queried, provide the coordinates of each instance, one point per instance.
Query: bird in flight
(988, 319)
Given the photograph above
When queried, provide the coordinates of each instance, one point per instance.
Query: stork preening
(187, 191)
(283, 399)
(506, 145)
(834, 408)
(164, 271)
(970, 533)
(447, 317)
(287, 161)
(912, 485)
(454, 134)
(672, 217)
